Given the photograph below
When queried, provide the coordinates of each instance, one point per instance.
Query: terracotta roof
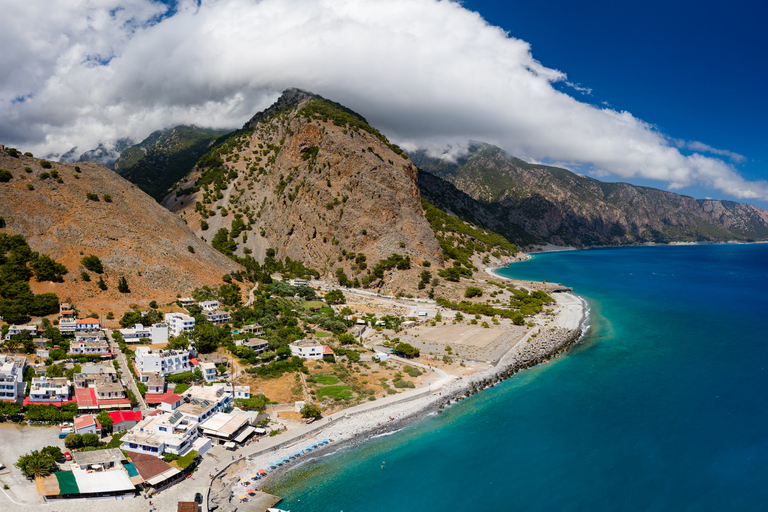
(157, 398)
(84, 421)
(86, 321)
(148, 465)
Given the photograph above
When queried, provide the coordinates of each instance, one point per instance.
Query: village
(102, 412)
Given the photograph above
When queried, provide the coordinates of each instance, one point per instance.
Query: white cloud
(426, 72)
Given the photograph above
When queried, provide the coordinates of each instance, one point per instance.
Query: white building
(254, 329)
(86, 325)
(209, 305)
(209, 372)
(12, 385)
(154, 334)
(170, 432)
(256, 344)
(90, 346)
(187, 301)
(307, 349)
(16, 329)
(155, 383)
(298, 282)
(162, 361)
(45, 389)
(67, 326)
(218, 394)
(242, 392)
(217, 317)
(179, 323)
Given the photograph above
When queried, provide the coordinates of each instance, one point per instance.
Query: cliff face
(133, 236)
(552, 205)
(314, 181)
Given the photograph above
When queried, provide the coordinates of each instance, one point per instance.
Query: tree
(54, 370)
(37, 464)
(207, 338)
(311, 411)
(283, 352)
(105, 420)
(346, 338)
(406, 350)
(473, 291)
(90, 440)
(73, 440)
(335, 297)
(47, 269)
(92, 263)
(221, 368)
(101, 284)
(122, 285)
(5, 176)
(53, 451)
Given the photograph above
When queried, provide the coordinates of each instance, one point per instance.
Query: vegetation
(17, 265)
(406, 350)
(37, 464)
(5, 176)
(92, 263)
(311, 411)
(122, 285)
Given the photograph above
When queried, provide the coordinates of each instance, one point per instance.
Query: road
(125, 372)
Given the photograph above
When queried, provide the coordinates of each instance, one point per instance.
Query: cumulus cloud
(428, 73)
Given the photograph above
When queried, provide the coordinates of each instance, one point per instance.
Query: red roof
(327, 349)
(86, 321)
(114, 401)
(86, 397)
(84, 421)
(121, 416)
(157, 398)
(172, 398)
(148, 465)
(193, 361)
(28, 401)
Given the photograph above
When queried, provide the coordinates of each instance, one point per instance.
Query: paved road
(125, 372)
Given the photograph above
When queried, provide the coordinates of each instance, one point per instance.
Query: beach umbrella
(254, 476)
(286, 459)
(325, 441)
(243, 496)
(244, 481)
(262, 471)
(251, 491)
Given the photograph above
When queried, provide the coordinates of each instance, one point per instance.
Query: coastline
(356, 424)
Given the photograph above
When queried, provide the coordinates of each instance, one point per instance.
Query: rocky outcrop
(312, 180)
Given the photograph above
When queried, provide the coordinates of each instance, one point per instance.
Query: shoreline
(355, 425)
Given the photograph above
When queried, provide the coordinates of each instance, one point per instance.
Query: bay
(662, 406)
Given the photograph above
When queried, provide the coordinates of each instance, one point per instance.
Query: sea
(662, 406)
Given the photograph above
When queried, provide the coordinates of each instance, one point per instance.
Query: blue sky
(675, 91)
(696, 70)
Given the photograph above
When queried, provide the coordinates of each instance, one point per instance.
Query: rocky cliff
(70, 211)
(316, 182)
(536, 204)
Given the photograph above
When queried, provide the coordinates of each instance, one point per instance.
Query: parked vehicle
(67, 456)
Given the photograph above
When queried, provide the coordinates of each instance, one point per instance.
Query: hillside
(537, 204)
(314, 181)
(70, 211)
(164, 157)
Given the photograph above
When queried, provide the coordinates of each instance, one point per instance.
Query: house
(67, 326)
(89, 346)
(224, 427)
(258, 345)
(171, 402)
(178, 323)
(66, 310)
(43, 353)
(155, 334)
(87, 425)
(90, 374)
(162, 361)
(242, 392)
(209, 372)
(209, 305)
(307, 349)
(254, 329)
(217, 317)
(16, 329)
(12, 385)
(155, 382)
(187, 301)
(169, 432)
(124, 420)
(357, 330)
(109, 391)
(328, 353)
(219, 394)
(45, 389)
(87, 325)
(408, 324)
(91, 336)
(298, 282)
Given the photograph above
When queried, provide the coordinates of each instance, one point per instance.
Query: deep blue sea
(662, 406)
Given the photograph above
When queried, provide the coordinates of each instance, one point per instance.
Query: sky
(662, 95)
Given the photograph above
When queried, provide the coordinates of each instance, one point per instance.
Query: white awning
(162, 477)
(229, 445)
(242, 436)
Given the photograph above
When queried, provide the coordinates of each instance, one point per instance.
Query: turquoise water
(661, 407)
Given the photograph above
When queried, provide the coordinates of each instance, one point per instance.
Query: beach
(359, 423)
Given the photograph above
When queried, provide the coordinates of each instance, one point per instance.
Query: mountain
(164, 157)
(538, 204)
(314, 181)
(70, 211)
